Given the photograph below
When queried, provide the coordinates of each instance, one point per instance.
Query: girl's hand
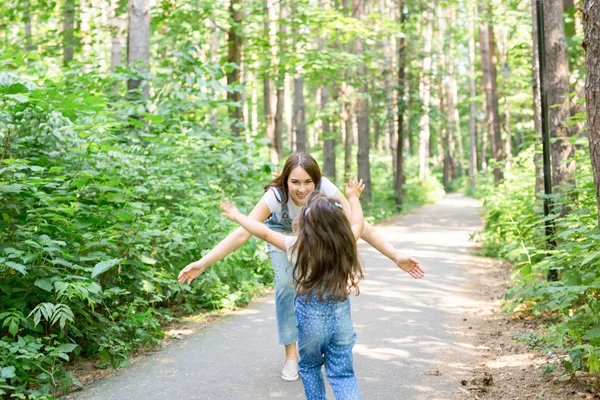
(190, 272)
(230, 211)
(354, 188)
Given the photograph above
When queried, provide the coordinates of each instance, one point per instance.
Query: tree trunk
(299, 109)
(234, 47)
(328, 141)
(500, 154)
(28, 37)
(425, 94)
(268, 93)
(362, 111)
(68, 38)
(278, 123)
(298, 123)
(489, 75)
(472, 106)
(537, 105)
(557, 88)
(452, 112)
(138, 42)
(399, 171)
(591, 44)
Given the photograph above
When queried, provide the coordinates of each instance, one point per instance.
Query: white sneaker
(289, 373)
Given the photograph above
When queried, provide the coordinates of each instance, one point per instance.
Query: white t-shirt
(327, 188)
(291, 256)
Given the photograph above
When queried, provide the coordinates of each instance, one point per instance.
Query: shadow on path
(402, 326)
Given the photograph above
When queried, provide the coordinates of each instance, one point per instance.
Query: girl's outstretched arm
(370, 235)
(357, 220)
(227, 246)
(256, 228)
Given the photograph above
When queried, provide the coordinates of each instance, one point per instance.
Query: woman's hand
(354, 188)
(409, 265)
(190, 272)
(230, 211)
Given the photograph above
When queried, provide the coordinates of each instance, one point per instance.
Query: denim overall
(284, 281)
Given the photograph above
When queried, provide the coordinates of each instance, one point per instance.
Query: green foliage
(515, 230)
(104, 200)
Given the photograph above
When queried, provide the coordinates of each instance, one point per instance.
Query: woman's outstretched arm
(232, 242)
(370, 235)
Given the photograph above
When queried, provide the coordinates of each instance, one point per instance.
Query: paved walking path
(404, 328)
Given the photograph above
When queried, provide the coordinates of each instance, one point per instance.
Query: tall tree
(280, 84)
(399, 170)
(591, 44)
(299, 110)
(557, 88)
(138, 42)
(537, 105)
(328, 141)
(68, 37)
(491, 95)
(268, 92)
(472, 105)
(234, 47)
(425, 93)
(362, 110)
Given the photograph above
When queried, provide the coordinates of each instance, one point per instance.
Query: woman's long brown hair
(327, 262)
(303, 160)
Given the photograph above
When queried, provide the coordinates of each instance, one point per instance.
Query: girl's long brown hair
(327, 262)
(303, 160)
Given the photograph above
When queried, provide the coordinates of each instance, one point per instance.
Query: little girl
(326, 268)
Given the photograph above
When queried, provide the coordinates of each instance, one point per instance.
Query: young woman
(278, 207)
(326, 269)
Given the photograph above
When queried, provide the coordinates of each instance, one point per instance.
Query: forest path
(408, 339)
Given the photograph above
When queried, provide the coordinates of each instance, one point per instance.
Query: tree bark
(234, 49)
(537, 105)
(500, 153)
(591, 44)
(299, 108)
(425, 94)
(399, 171)
(362, 111)
(68, 38)
(328, 142)
(557, 88)
(278, 123)
(489, 77)
(28, 35)
(268, 92)
(138, 42)
(472, 105)
(298, 123)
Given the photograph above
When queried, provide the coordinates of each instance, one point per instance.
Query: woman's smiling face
(300, 184)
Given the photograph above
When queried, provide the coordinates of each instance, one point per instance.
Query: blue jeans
(326, 337)
(284, 296)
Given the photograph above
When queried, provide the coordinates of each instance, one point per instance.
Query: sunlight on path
(403, 326)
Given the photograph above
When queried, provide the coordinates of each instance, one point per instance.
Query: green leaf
(18, 97)
(104, 266)
(14, 188)
(148, 260)
(8, 372)
(13, 328)
(66, 347)
(44, 284)
(17, 88)
(592, 334)
(18, 267)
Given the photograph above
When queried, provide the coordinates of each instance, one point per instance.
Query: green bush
(515, 230)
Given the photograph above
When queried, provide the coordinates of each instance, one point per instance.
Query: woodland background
(124, 123)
